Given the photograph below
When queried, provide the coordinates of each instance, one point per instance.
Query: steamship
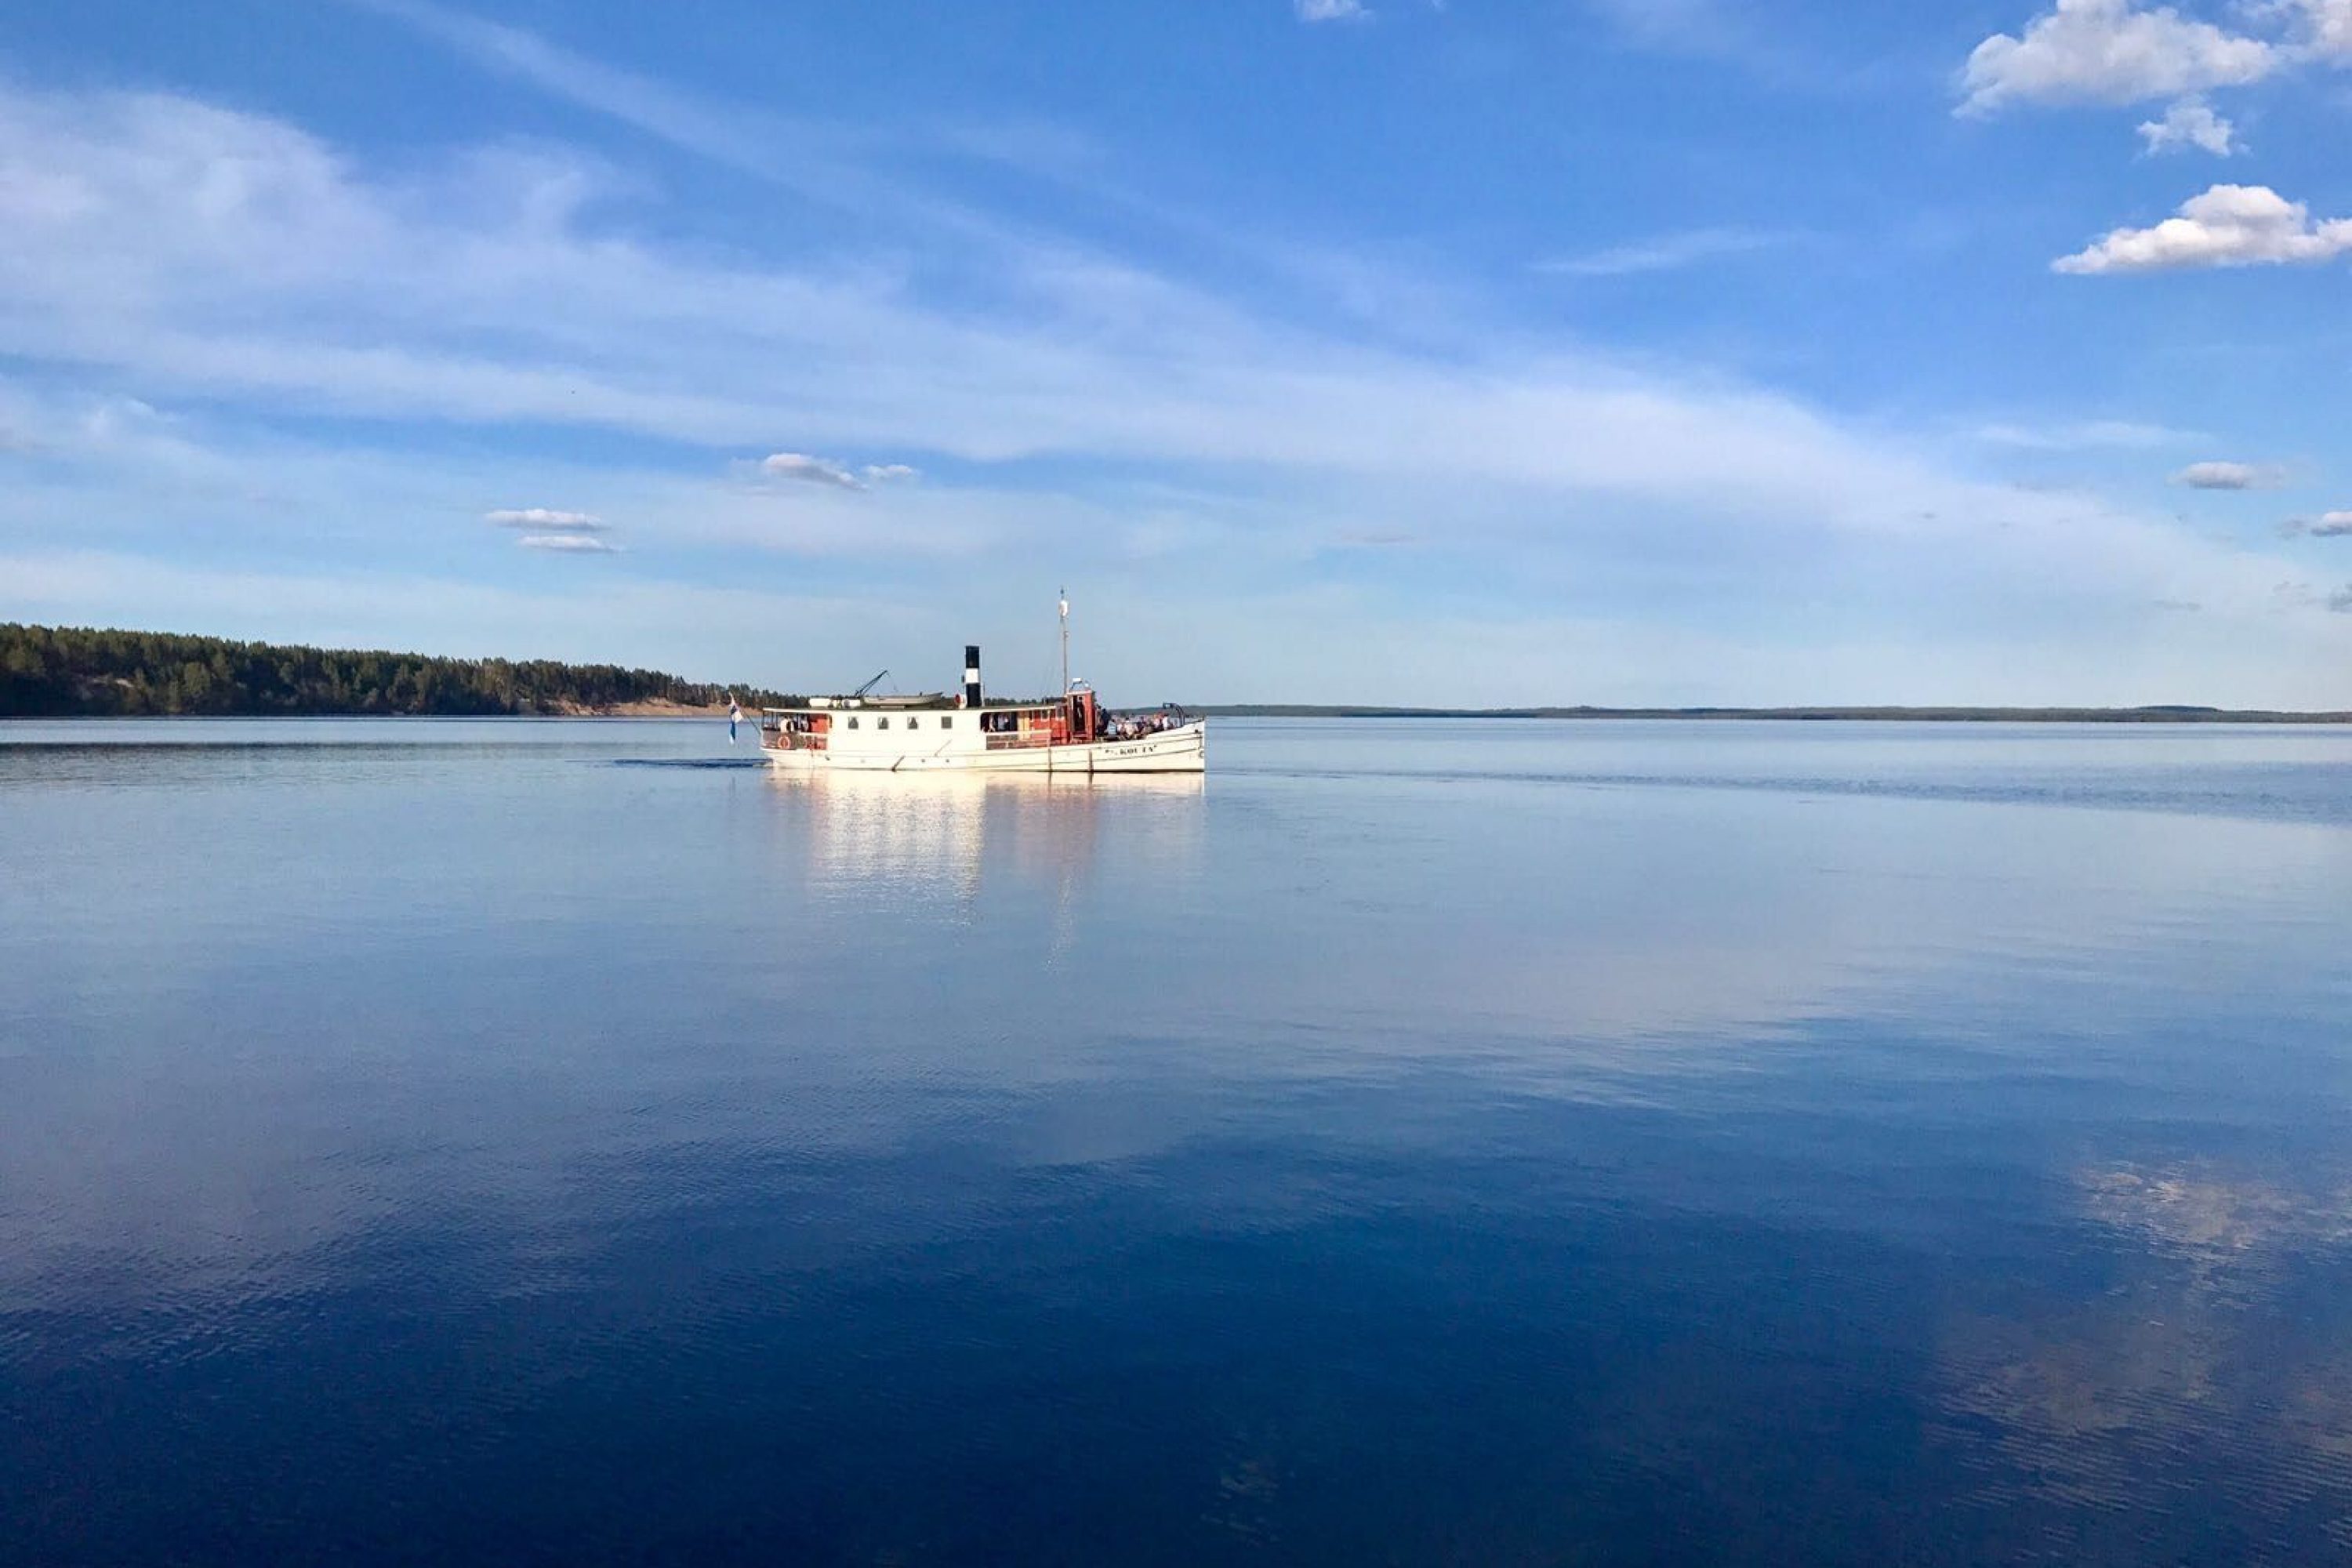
(944, 731)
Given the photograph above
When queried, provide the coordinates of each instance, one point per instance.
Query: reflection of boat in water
(1073, 733)
(914, 840)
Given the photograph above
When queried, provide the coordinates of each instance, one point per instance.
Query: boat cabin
(934, 724)
(930, 723)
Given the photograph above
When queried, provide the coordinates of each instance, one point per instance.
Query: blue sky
(1606, 350)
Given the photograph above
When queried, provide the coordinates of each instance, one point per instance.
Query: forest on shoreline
(2164, 713)
(53, 672)
(62, 672)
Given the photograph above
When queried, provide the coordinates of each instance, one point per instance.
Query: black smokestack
(972, 674)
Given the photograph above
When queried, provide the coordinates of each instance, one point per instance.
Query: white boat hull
(1183, 750)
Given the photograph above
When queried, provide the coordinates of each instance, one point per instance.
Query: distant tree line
(2162, 713)
(67, 671)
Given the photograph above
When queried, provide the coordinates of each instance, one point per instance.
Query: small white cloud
(568, 544)
(2229, 225)
(2340, 601)
(2329, 525)
(546, 518)
(1665, 252)
(1332, 11)
(2191, 123)
(891, 474)
(815, 470)
(2106, 51)
(2074, 437)
(2226, 476)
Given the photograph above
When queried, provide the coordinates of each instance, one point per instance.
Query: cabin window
(947, 721)
(913, 722)
(853, 723)
(881, 723)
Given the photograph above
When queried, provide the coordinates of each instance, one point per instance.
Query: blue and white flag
(734, 714)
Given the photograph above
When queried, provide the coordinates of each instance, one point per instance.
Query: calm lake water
(1435, 1142)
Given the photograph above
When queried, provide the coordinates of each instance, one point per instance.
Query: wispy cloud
(2340, 601)
(2080, 434)
(1706, 30)
(1667, 252)
(238, 257)
(2327, 525)
(818, 162)
(747, 141)
(1331, 10)
(546, 518)
(812, 470)
(1090, 360)
(2220, 476)
(2229, 225)
(569, 543)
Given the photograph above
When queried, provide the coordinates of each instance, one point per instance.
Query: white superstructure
(898, 736)
(907, 734)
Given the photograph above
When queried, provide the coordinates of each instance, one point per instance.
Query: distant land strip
(57, 672)
(2166, 713)
(63, 672)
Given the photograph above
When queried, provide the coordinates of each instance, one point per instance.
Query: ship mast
(1065, 645)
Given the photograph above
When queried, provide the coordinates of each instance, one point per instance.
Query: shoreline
(659, 711)
(1867, 715)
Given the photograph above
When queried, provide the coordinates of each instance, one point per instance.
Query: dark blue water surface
(1433, 1142)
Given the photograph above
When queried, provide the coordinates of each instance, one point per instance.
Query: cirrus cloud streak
(568, 544)
(547, 519)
